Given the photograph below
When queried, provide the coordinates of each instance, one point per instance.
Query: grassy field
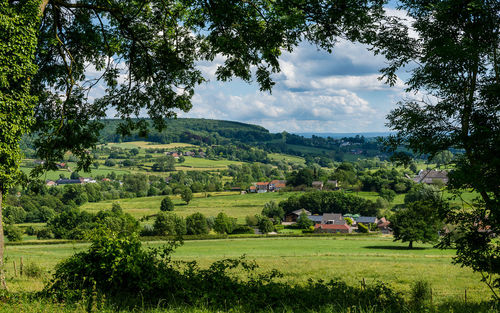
(146, 145)
(287, 158)
(231, 203)
(350, 258)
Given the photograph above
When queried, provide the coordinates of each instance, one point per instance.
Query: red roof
(262, 184)
(331, 226)
(252, 187)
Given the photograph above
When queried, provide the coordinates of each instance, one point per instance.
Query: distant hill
(342, 135)
(207, 132)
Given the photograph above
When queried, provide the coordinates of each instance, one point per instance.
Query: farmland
(350, 258)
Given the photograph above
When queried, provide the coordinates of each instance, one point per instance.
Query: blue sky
(315, 92)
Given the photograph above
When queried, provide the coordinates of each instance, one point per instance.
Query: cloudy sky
(315, 92)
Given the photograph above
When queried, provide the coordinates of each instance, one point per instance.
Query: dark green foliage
(14, 214)
(13, 233)
(164, 164)
(33, 270)
(419, 221)
(118, 272)
(224, 224)
(196, 224)
(265, 225)
(273, 211)
(167, 204)
(302, 177)
(423, 192)
(330, 202)
(252, 220)
(44, 233)
(421, 294)
(454, 49)
(303, 222)
(187, 195)
(169, 224)
(109, 163)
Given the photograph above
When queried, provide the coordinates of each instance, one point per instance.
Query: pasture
(351, 258)
(231, 203)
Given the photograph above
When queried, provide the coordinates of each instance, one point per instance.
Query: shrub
(196, 224)
(167, 204)
(420, 294)
(243, 229)
(224, 224)
(265, 225)
(33, 270)
(30, 231)
(13, 233)
(252, 220)
(169, 224)
(44, 233)
(116, 271)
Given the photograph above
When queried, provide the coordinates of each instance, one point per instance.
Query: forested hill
(196, 131)
(225, 133)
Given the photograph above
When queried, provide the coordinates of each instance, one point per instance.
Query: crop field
(350, 258)
(231, 203)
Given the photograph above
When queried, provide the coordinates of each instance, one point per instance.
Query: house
(293, 216)
(366, 220)
(276, 185)
(383, 226)
(431, 177)
(175, 155)
(317, 185)
(89, 180)
(61, 165)
(189, 153)
(253, 189)
(105, 179)
(50, 183)
(332, 228)
(332, 184)
(64, 181)
(333, 219)
(262, 187)
(315, 218)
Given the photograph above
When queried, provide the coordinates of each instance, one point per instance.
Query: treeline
(320, 202)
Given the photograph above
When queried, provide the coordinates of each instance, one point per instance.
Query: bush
(44, 233)
(224, 224)
(167, 204)
(13, 233)
(196, 224)
(33, 270)
(116, 271)
(187, 195)
(30, 231)
(169, 224)
(243, 229)
(265, 225)
(420, 294)
(252, 220)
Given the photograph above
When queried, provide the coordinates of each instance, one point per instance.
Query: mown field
(351, 258)
(231, 203)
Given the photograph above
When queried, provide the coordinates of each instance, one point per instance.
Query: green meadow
(210, 204)
(350, 258)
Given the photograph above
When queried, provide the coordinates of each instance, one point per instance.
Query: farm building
(332, 228)
(431, 177)
(293, 216)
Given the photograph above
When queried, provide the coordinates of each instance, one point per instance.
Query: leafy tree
(224, 224)
(167, 204)
(303, 222)
(13, 233)
(274, 211)
(109, 163)
(169, 224)
(74, 175)
(148, 54)
(196, 224)
(456, 66)
(164, 164)
(265, 225)
(14, 214)
(181, 159)
(419, 221)
(187, 195)
(423, 192)
(134, 151)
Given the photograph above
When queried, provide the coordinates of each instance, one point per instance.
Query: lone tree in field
(144, 54)
(187, 195)
(419, 221)
(167, 204)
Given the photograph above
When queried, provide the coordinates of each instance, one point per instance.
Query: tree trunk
(2, 242)
(410, 246)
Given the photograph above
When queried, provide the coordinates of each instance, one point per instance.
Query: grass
(192, 162)
(349, 258)
(150, 145)
(231, 203)
(287, 158)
